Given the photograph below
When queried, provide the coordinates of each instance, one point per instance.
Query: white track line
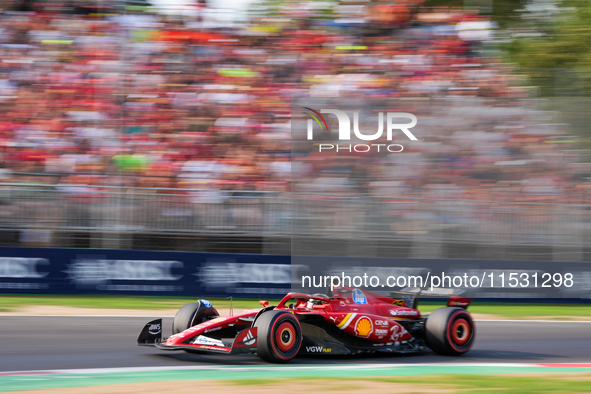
(282, 368)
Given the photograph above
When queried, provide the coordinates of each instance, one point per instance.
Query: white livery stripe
(348, 321)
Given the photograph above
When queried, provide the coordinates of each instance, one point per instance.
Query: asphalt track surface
(30, 343)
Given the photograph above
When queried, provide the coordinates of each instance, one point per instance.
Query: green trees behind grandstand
(553, 48)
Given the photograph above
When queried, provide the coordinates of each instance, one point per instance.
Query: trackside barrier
(132, 272)
(136, 272)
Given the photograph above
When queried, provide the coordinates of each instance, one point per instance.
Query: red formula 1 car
(349, 321)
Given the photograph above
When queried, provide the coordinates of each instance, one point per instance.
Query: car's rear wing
(411, 295)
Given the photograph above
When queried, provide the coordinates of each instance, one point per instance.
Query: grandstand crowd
(142, 99)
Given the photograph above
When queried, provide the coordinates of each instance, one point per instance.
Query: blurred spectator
(174, 104)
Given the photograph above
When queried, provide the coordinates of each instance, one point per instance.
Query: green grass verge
(482, 384)
(11, 303)
(524, 311)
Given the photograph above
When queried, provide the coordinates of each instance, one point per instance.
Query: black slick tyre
(279, 336)
(450, 331)
(192, 314)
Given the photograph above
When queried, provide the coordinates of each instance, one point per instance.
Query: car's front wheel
(193, 314)
(279, 336)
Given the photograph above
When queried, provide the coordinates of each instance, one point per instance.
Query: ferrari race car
(347, 321)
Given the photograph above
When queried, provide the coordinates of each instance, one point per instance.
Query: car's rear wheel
(192, 314)
(450, 331)
(279, 336)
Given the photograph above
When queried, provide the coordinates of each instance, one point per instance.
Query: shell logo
(364, 327)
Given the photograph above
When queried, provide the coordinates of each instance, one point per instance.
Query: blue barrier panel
(134, 272)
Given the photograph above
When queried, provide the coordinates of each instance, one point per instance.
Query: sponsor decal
(359, 297)
(364, 327)
(398, 332)
(203, 340)
(154, 329)
(381, 331)
(249, 339)
(382, 323)
(404, 313)
(221, 274)
(318, 349)
(207, 324)
(93, 271)
(206, 303)
(215, 347)
(399, 303)
(22, 267)
(342, 303)
(212, 329)
(246, 337)
(458, 303)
